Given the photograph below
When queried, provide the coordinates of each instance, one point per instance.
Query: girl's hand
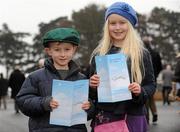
(94, 81)
(86, 105)
(135, 88)
(54, 104)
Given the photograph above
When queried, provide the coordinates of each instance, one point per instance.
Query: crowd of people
(32, 95)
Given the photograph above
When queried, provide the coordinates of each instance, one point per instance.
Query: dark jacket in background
(3, 86)
(136, 105)
(176, 77)
(15, 82)
(156, 60)
(35, 95)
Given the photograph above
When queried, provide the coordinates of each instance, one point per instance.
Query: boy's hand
(94, 81)
(54, 104)
(86, 105)
(135, 88)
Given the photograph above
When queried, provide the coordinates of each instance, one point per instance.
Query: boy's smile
(61, 54)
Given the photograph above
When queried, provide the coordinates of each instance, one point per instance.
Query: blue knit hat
(122, 9)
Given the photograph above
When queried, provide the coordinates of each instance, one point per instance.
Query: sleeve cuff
(46, 104)
(140, 98)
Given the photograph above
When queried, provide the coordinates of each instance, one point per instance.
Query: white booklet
(114, 78)
(70, 95)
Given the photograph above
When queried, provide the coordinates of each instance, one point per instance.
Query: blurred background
(24, 22)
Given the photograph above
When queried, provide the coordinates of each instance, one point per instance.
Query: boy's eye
(56, 49)
(67, 49)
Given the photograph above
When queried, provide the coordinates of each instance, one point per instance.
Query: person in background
(15, 82)
(35, 97)
(167, 78)
(157, 67)
(85, 70)
(176, 78)
(120, 36)
(3, 91)
(41, 63)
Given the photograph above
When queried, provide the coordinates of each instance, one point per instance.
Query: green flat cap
(68, 35)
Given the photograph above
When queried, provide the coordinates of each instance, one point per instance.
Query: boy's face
(61, 54)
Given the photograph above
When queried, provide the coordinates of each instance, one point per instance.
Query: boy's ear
(75, 48)
(47, 51)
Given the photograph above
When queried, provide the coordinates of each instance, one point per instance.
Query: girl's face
(61, 54)
(118, 28)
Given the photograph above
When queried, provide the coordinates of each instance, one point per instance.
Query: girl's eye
(122, 22)
(112, 23)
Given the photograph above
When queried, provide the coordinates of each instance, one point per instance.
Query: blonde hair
(132, 47)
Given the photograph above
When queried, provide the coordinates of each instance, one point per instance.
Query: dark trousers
(16, 107)
(150, 104)
(3, 100)
(165, 92)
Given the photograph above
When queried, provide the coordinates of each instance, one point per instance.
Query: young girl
(120, 36)
(34, 98)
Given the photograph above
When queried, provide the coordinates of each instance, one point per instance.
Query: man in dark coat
(176, 77)
(3, 90)
(157, 67)
(15, 82)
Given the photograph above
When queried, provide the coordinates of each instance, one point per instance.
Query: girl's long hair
(132, 47)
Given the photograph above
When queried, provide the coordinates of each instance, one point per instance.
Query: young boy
(34, 98)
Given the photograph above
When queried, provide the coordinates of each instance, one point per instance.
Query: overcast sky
(25, 15)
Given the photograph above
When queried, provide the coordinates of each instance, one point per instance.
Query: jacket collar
(73, 67)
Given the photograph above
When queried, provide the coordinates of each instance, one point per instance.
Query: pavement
(168, 119)
(12, 122)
